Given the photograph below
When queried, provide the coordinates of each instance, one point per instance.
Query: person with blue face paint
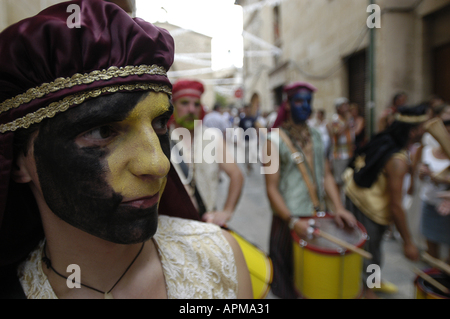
(287, 190)
(301, 106)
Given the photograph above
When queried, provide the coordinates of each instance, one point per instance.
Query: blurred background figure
(288, 190)
(387, 117)
(374, 185)
(272, 117)
(216, 119)
(435, 174)
(201, 180)
(320, 123)
(341, 138)
(435, 107)
(358, 125)
(247, 123)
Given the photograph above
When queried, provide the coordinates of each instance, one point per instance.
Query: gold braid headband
(78, 98)
(63, 105)
(411, 119)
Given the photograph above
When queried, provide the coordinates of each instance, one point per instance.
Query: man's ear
(21, 169)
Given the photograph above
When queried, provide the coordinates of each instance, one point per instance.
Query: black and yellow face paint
(102, 166)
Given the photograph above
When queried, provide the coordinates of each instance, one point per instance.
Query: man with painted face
(287, 190)
(300, 104)
(200, 174)
(85, 170)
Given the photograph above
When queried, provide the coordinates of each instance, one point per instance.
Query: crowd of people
(92, 175)
(369, 178)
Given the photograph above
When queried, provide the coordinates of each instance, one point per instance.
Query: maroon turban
(47, 67)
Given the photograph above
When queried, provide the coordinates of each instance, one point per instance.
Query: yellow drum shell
(423, 290)
(259, 265)
(327, 272)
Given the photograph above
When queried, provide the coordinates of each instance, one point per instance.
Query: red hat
(47, 67)
(192, 88)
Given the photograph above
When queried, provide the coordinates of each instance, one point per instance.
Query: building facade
(192, 59)
(330, 44)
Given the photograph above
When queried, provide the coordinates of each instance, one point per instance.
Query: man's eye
(102, 132)
(160, 125)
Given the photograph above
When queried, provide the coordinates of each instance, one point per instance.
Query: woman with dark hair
(374, 183)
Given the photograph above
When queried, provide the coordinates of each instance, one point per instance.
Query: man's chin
(127, 232)
(187, 124)
(138, 231)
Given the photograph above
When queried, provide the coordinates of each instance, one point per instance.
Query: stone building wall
(319, 38)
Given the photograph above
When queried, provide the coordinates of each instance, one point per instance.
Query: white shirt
(215, 119)
(435, 165)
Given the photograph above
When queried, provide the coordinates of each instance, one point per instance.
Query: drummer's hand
(301, 228)
(219, 218)
(444, 208)
(411, 252)
(343, 216)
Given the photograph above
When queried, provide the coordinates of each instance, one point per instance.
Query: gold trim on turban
(411, 119)
(79, 79)
(63, 105)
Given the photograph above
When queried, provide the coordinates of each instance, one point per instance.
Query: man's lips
(143, 202)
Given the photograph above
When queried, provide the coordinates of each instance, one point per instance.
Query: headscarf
(192, 88)
(380, 149)
(185, 87)
(46, 67)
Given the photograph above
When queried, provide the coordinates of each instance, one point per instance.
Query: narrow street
(252, 220)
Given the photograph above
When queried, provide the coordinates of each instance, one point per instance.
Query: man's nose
(192, 108)
(148, 160)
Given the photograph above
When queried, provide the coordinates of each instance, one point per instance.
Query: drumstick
(342, 243)
(437, 263)
(431, 280)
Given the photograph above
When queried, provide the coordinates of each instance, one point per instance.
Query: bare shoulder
(397, 166)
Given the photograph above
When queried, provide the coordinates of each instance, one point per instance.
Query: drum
(259, 266)
(324, 270)
(425, 290)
